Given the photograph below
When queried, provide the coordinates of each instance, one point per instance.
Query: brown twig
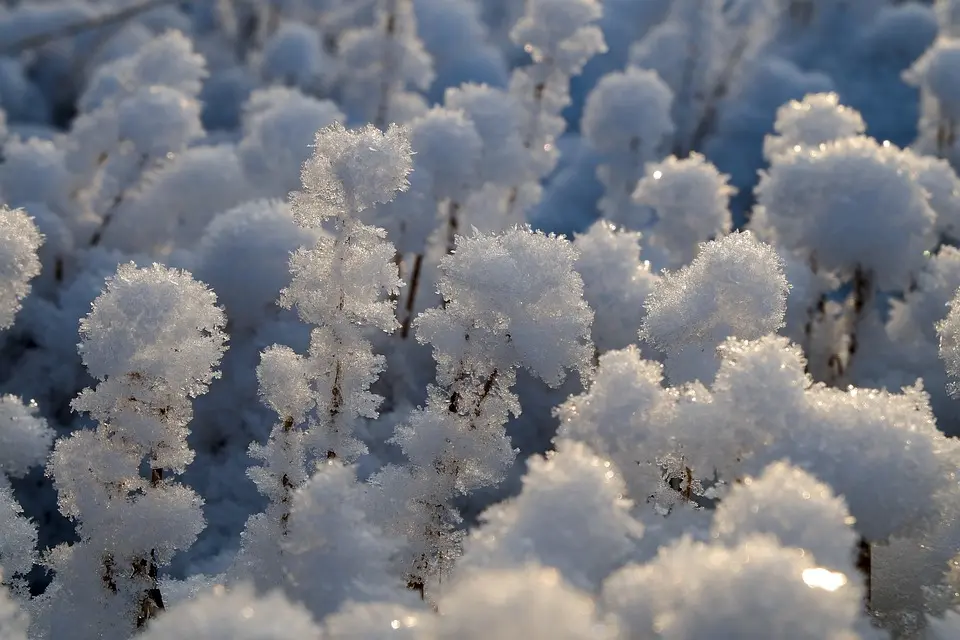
(412, 295)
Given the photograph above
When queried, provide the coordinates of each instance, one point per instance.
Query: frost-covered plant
(560, 37)
(330, 553)
(503, 295)
(758, 395)
(779, 463)
(908, 347)
(138, 110)
(294, 56)
(940, 181)
(626, 119)
(152, 340)
(576, 491)
(817, 119)
(682, 202)
(847, 208)
(248, 289)
(278, 126)
(698, 590)
(25, 441)
(523, 601)
(691, 51)
(735, 287)
(235, 614)
(862, 443)
(342, 286)
(175, 202)
(385, 61)
(19, 242)
(900, 463)
(496, 116)
(935, 73)
(616, 282)
(796, 508)
(447, 150)
(625, 415)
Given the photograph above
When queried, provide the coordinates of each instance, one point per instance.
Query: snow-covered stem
(935, 73)
(385, 61)
(803, 207)
(345, 286)
(627, 120)
(688, 50)
(496, 308)
(152, 341)
(560, 36)
(136, 114)
(392, 10)
(412, 287)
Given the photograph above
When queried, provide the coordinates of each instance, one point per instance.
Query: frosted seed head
(278, 124)
(578, 492)
(159, 120)
(516, 297)
(154, 323)
(942, 185)
(548, 25)
(247, 288)
(849, 204)
(496, 115)
(19, 242)
(447, 147)
(796, 508)
(697, 590)
(167, 60)
(808, 123)
(937, 71)
(690, 201)
(880, 451)
(627, 115)
(352, 170)
(735, 287)
(615, 283)
(25, 438)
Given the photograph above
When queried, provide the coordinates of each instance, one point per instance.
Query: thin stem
(865, 567)
(151, 603)
(708, 122)
(388, 66)
(946, 136)
(285, 484)
(398, 262)
(453, 225)
(860, 299)
(412, 296)
(118, 199)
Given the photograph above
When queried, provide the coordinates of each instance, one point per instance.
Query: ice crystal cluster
(433, 319)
